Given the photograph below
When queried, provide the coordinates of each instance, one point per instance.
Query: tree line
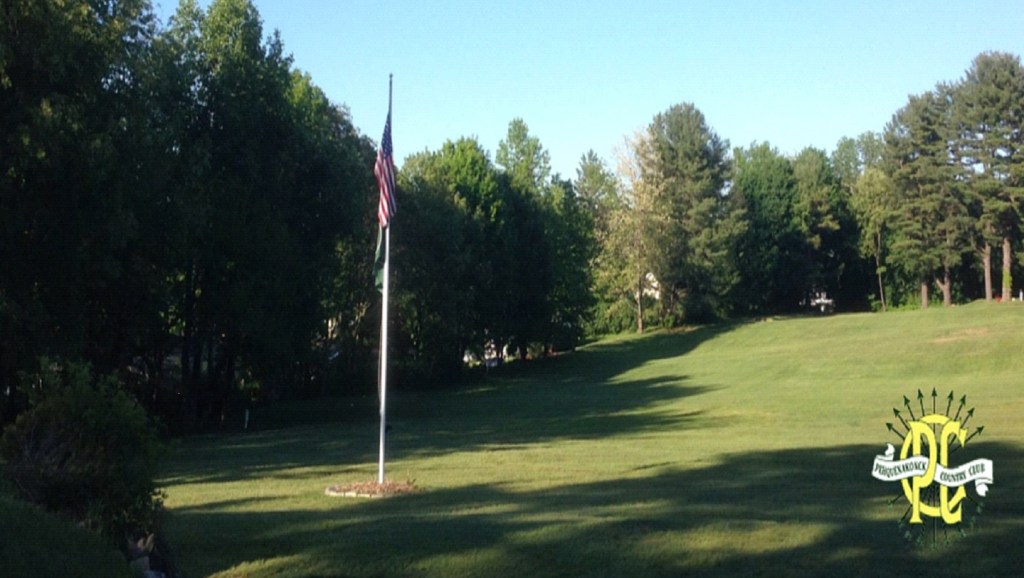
(183, 208)
(180, 206)
(689, 233)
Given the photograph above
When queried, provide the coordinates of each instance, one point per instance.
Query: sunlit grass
(725, 450)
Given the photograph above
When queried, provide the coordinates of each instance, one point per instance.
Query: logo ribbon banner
(887, 469)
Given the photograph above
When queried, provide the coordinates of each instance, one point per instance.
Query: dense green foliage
(694, 247)
(182, 207)
(490, 262)
(86, 450)
(990, 113)
(884, 218)
(177, 204)
(185, 213)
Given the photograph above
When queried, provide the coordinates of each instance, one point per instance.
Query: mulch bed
(371, 489)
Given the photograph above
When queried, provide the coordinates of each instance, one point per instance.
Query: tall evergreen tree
(695, 264)
(990, 106)
(932, 228)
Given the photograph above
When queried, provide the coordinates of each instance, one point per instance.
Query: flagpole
(384, 329)
(384, 351)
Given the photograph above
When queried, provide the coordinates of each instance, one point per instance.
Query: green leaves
(523, 158)
(686, 164)
(989, 104)
(932, 224)
(170, 191)
(488, 259)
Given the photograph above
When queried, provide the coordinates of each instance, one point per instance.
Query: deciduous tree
(770, 252)
(874, 203)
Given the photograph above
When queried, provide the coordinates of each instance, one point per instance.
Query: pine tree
(990, 109)
(932, 226)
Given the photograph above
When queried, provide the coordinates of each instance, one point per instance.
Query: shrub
(84, 449)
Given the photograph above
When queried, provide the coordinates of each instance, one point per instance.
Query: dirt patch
(963, 335)
(371, 489)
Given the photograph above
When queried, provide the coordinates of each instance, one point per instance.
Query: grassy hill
(34, 543)
(729, 450)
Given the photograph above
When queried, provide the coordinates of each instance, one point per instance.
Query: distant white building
(651, 287)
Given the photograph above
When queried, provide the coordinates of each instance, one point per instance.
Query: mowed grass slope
(34, 543)
(729, 450)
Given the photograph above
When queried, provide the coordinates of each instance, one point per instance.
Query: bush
(619, 316)
(84, 449)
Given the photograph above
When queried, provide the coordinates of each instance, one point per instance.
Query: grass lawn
(741, 449)
(34, 543)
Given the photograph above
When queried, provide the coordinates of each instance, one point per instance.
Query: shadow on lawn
(582, 395)
(811, 511)
(577, 396)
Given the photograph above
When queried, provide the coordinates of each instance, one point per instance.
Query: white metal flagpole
(384, 351)
(385, 171)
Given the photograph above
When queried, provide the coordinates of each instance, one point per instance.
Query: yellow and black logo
(932, 488)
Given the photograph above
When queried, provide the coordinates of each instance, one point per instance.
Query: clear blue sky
(584, 74)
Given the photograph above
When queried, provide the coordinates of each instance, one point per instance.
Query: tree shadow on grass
(810, 511)
(235, 457)
(607, 359)
(581, 395)
(513, 418)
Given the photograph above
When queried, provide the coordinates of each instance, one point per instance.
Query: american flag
(384, 168)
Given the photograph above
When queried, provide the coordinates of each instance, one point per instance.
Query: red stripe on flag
(384, 168)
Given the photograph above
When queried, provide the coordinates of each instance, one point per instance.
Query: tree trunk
(227, 384)
(946, 286)
(878, 271)
(881, 291)
(986, 260)
(924, 295)
(1007, 279)
(189, 352)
